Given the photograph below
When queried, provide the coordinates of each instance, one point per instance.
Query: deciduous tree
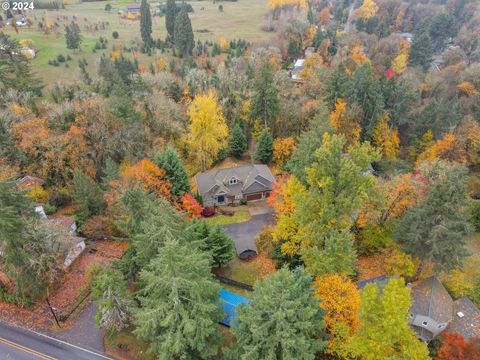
(345, 122)
(208, 131)
(282, 151)
(386, 139)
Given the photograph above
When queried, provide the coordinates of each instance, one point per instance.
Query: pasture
(239, 20)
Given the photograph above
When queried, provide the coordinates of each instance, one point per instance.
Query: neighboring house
(405, 35)
(297, 69)
(230, 302)
(29, 182)
(67, 222)
(76, 248)
(133, 11)
(466, 320)
(432, 308)
(229, 186)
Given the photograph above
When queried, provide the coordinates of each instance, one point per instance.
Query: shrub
(38, 194)
(59, 198)
(115, 35)
(49, 209)
(108, 7)
(61, 58)
(475, 214)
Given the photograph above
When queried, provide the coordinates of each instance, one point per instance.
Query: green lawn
(125, 339)
(241, 19)
(237, 217)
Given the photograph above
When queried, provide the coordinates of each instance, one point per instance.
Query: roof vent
(460, 314)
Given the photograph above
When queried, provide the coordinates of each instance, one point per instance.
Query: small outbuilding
(230, 302)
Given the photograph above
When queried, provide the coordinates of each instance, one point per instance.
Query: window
(424, 323)
(233, 181)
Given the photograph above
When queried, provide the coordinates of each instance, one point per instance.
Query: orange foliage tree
(191, 206)
(447, 148)
(467, 88)
(282, 150)
(148, 176)
(345, 123)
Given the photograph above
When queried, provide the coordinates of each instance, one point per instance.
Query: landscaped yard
(237, 217)
(247, 271)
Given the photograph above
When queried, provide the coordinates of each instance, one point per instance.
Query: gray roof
(431, 299)
(216, 181)
(469, 325)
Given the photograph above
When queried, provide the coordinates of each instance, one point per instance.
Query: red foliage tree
(454, 347)
(191, 206)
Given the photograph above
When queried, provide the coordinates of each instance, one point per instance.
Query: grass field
(241, 19)
(238, 217)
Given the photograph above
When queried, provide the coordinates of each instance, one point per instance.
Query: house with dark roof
(232, 185)
(432, 308)
(466, 320)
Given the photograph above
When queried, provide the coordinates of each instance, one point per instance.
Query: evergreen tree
(337, 86)
(214, 240)
(264, 103)
(435, 229)
(282, 321)
(421, 50)
(237, 142)
(264, 149)
(184, 40)
(114, 305)
(174, 171)
(146, 24)
(170, 14)
(87, 197)
(73, 36)
(179, 304)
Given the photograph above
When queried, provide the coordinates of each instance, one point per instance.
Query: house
(432, 308)
(297, 68)
(405, 35)
(67, 222)
(132, 11)
(232, 185)
(466, 320)
(29, 182)
(76, 248)
(230, 302)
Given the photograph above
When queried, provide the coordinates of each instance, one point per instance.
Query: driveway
(244, 234)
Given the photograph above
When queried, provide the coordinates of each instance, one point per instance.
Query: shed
(230, 302)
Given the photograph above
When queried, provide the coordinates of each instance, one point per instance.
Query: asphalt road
(244, 234)
(21, 344)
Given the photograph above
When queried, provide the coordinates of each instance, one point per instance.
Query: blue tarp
(230, 301)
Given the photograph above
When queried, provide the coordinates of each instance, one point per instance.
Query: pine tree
(170, 14)
(214, 241)
(146, 24)
(435, 229)
(87, 197)
(174, 171)
(184, 40)
(237, 142)
(72, 36)
(282, 321)
(264, 149)
(179, 304)
(421, 50)
(264, 103)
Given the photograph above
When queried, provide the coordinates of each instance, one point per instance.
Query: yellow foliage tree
(468, 88)
(399, 64)
(282, 151)
(398, 263)
(358, 55)
(223, 43)
(386, 139)
(279, 4)
(208, 131)
(345, 123)
(447, 148)
(160, 64)
(312, 63)
(368, 9)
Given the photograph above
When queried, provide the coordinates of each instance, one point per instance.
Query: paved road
(244, 234)
(21, 344)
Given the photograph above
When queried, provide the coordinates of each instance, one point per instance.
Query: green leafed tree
(87, 197)
(237, 142)
(145, 24)
(214, 241)
(435, 229)
(282, 321)
(114, 305)
(73, 36)
(180, 308)
(170, 14)
(183, 33)
(264, 150)
(384, 332)
(174, 170)
(264, 103)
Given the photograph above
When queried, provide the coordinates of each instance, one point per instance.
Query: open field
(240, 19)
